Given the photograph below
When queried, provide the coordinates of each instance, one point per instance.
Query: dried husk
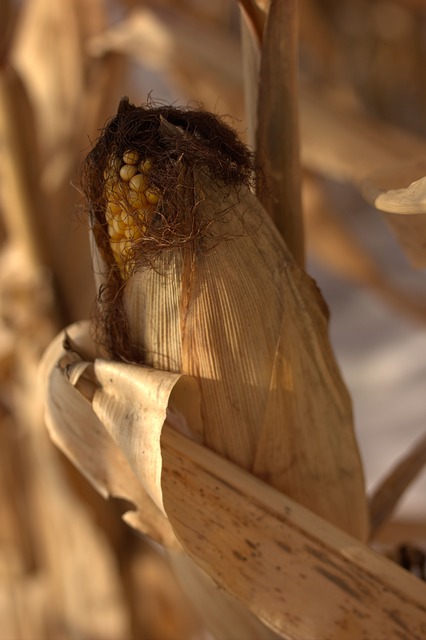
(229, 307)
(76, 429)
(251, 328)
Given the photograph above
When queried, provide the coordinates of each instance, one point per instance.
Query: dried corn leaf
(333, 243)
(78, 432)
(273, 555)
(123, 400)
(277, 558)
(226, 617)
(403, 207)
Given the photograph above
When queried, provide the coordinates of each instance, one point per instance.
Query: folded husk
(230, 307)
(76, 429)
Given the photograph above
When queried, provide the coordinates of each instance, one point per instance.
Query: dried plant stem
(386, 496)
(250, 63)
(20, 191)
(23, 206)
(277, 149)
(9, 11)
(255, 17)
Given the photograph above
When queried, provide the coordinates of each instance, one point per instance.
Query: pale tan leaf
(399, 192)
(133, 404)
(276, 557)
(254, 17)
(339, 249)
(411, 199)
(77, 431)
(255, 542)
(250, 66)
(224, 615)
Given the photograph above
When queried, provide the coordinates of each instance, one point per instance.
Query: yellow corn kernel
(144, 213)
(131, 157)
(127, 218)
(138, 182)
(115, 246)
(114, 236)
(145, 166)
(125, 247)
(135, 232)
(114, 207)
(137, 199)
(112, 210)
(127, 172)
(152, 196)
(118, 226)
(114, 191)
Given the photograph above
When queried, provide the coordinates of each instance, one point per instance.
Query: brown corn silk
(210, 290)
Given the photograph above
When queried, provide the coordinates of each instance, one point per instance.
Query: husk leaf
(77, 431)
(251, 328)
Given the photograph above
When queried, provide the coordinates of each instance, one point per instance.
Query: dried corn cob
(130, 204)
(207, 287)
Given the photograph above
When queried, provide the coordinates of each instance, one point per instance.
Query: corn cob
(206, 287)
(131, 204)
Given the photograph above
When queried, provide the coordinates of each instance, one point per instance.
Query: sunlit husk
(251, 328)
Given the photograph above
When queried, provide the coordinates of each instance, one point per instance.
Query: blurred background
(69, 568)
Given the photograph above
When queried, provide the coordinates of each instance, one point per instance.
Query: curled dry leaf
(333, 242)
(76, 429)
(399, 193)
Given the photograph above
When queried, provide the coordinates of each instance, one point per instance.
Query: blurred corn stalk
(172, 302)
